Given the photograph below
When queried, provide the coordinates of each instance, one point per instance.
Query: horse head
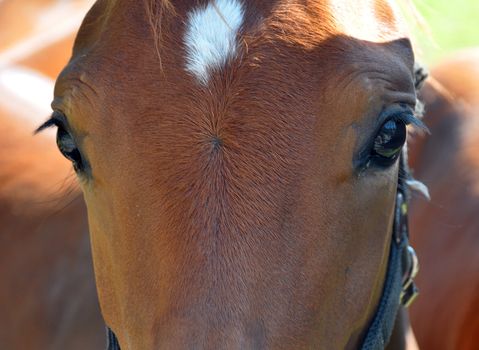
(239, 161)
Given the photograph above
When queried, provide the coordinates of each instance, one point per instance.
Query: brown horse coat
(445, 231)
(47, 294)
(225, 205)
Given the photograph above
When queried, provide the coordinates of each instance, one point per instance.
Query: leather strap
(399, 288)
(111, 340)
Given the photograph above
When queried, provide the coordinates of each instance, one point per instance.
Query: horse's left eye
(67, 146)
(389, 142)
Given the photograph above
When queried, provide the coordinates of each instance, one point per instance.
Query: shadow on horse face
(243, 209)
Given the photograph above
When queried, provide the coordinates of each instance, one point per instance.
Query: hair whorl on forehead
(156, 11)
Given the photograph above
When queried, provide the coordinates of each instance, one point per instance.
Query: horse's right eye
(67, 146)
(389, 142)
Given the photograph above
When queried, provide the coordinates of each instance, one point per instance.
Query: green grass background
(453, 24)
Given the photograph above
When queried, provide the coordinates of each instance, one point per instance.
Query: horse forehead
(201, 36)
(218, 21)
(212, 28)
(371, 20)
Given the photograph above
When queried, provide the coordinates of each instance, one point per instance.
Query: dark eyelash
(409, 118)
(48, 124)
(54, 120)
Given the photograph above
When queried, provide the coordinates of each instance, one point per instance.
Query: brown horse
(47, 295)
(239, 161)
(446, 230)
(28, 28)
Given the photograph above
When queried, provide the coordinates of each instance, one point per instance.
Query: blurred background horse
(445, 231)
(47, 293)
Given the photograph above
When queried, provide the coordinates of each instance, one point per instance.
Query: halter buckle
(409, 294)
(410, 262)
(409, 290)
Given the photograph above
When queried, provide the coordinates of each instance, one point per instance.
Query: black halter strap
(111, 340)
(399, 288)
